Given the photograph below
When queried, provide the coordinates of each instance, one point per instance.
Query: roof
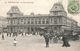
(57, 7)
(37, 15)
(14, 9)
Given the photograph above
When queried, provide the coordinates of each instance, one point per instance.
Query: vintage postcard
(39, 25)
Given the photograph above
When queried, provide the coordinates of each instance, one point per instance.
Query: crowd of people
(47, 37)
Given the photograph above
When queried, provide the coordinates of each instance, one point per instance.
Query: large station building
(56, 21)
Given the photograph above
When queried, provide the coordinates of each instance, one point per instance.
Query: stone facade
(56, 21)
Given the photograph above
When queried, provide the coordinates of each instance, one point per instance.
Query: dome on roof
(58, 10)
(57, 7)
(14, 9)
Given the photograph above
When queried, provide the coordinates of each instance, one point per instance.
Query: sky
(36, 6)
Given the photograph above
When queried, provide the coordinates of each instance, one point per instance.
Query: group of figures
(47, 36)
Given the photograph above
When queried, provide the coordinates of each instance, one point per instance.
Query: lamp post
(71, 26)
(2, 32)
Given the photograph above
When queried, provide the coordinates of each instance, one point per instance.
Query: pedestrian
(65, 41)
(25, 33)
(46, 37)
(55, 39)
(22, 34)
(2, 37)
(13, 34)
(16, 34)
(10, 34)
(7, 34)
(15, 42)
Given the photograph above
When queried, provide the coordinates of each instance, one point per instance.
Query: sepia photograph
(39, 25)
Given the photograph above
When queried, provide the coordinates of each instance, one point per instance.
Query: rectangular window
(8, 21)
(47, 22)
(35, 22)
(43, 22)
(13, 21)
(28, 22)
(21, 20)
(55, 20)
(31, 22)
(39, 22)
(24, 21)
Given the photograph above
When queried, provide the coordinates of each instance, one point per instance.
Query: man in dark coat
(47, 37)
(65, 41)
(2, 37)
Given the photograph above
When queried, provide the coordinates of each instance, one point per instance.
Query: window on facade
(51, 20)
(43, 22)
(21, 20)
(31, 29)
(55, 20)
(47, 22)
(8, 21)
(39, 22)
(32, 22)
(28, 22)
(35, 22)
(55, 13)
(13, 21)
(60, 20)
(28, 28)
(55, 28)
(24, 22)
(64, 21)
(31, 19)
(18, 21)
(55, 7)
(11, 14)
(24, 19)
